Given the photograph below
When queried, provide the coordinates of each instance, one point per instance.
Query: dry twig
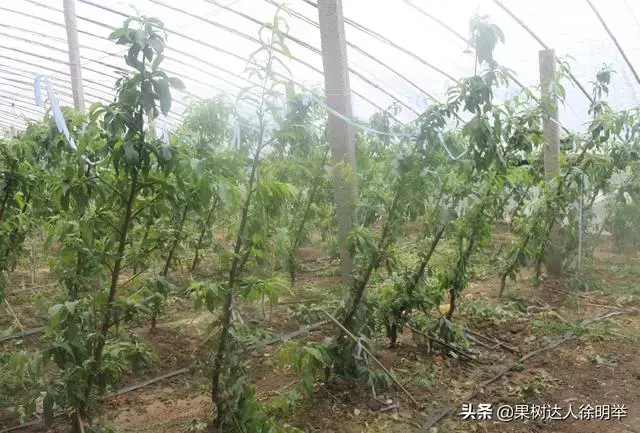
(438, 340)
(493, 340)
(13, 314)
(568, 336)
(80, 423)
(293, 334)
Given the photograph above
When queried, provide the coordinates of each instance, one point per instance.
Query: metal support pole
(551, 132)
(343, 152)
(74, 54)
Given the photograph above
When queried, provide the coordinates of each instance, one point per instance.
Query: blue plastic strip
(55, 110)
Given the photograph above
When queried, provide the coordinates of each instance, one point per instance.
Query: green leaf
(130, 153)
(141, 38)
(133, 82)
(161, 87)
(159, 74)
(155, 22)
(132, 56)
(70, 306)
(35, 366)
(54, 310)
(119, 33)
(129, 96)
(253, 295)
(64, 346)
(519, 367)
(157, 44)
(176, 83)
(124, 40)
(148, 53)
(148, 101)
(315, 353)
(159, 58)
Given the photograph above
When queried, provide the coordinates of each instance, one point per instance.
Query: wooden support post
(343, 152)
(551, 130)
(74, 54)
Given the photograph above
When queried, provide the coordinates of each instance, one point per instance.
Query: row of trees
(124, 200)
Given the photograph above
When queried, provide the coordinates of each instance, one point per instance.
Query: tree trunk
(293, 255)
(228, 302)
(176, 241)
(97, 354)
(5, 200)
(362, 284)
(343, 152)
(203, 232)
(147, 228)
(392, 334)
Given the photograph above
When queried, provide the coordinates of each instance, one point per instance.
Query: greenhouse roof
(402, 51)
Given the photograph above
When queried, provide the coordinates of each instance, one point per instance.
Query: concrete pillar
(551, 130)
(74, 54)
(338, 93)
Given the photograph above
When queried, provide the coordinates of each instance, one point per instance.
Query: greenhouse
(256, 216)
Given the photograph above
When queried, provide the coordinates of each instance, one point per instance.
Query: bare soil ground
(601, 366)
